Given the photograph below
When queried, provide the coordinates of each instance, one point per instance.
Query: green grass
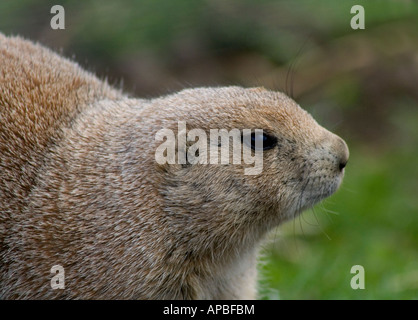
(372, 221)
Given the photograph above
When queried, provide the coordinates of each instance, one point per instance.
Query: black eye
(268, 141)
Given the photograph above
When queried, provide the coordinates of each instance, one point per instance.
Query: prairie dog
(80, 187)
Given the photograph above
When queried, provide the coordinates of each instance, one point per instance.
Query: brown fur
(80, 187)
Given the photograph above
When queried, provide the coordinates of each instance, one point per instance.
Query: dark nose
(342, 153)
(342, 165)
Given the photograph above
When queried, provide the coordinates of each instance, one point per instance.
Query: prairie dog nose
(332, 152)
(341, 152)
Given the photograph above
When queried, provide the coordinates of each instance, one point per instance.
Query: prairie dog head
(302, 162)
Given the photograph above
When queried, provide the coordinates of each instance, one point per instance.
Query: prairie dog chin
(80, 186)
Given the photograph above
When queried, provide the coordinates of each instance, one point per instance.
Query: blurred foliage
(361, 84)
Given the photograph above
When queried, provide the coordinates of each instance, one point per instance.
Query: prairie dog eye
(265, 140)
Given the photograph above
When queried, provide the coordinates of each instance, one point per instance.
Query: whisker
(349, 190)
(323, 209)
(300, 225)
(310, 223)
(329, 217)
(336, 125)
(299, 205)
(320, 226)
(294, 229)
(330, 211)
(292, 68)
(316, 217)
(289, 71)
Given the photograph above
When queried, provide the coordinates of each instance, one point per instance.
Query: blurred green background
(361, 84)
